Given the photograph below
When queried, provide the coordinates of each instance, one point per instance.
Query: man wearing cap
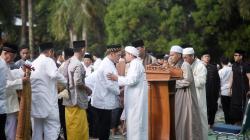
(44, 107)
(88, 63)
(187, 112)
(199, 73)
(212, 88)
(135, 94)
(147, 58)
(67, 53)
(77, 103)
(240, 87)
(10, 82)
(105, 92)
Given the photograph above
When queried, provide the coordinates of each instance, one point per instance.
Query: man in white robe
(44, 107)
(200, 74)
(187, 113)
(135, 94)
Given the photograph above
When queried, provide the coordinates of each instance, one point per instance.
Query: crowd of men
(77, 95)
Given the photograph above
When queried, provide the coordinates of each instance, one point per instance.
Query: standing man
(77, 103)
(24, 54)
(8, 54)
(212, 88)
(44, 107)
(136, 95)
(200, 74)
(187, 112)
(240, 87)
(88, 64)
(146, 58)
(226, 77)
(106, 92)
(59, 58)
(67, 53)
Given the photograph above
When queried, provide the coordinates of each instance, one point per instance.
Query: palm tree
(73, 18)
(30, 17)
(23, 17)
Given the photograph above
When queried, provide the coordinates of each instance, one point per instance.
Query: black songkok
(45, 46)
(138, 43)
(79, 44)
(10, 48)
(114, 47)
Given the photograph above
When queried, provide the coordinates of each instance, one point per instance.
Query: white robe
(200, 74)
(136, 100)
(44, 107)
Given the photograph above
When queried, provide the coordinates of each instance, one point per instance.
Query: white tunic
(200, 74)
(14, 82)
(136, 100)
(44, 86)
(3, 82)
(105, 92)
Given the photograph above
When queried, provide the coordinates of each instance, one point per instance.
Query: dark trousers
(211, 112)
(115, 117)
(62, 117)
(103, 120)
(2, 126)
(226, 102)
(92, 119)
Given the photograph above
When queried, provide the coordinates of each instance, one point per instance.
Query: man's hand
(25, 79)
(112, 77)
(88, 90)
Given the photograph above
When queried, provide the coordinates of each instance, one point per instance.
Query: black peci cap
(239, 51)
(114, 47)
(137, 43)
(79, 44)
(46, 46)
(13, 48)
(88, 55)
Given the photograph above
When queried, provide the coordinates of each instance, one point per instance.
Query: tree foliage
(217, 26)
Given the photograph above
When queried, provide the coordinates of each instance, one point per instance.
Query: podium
(161, 83)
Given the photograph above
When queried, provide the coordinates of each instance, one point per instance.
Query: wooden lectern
(161, 82)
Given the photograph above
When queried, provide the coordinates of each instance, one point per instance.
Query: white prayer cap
(188, 51)
(176, 48)
(132, 50)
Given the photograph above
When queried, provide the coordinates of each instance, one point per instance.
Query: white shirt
(105, 92)
(97, 63)
(225, 74)
(44, 86)
(14, 82)
(88, 69)
(3, 82)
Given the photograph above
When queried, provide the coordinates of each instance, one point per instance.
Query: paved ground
(211, 136)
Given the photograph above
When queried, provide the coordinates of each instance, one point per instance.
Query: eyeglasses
(237, 55)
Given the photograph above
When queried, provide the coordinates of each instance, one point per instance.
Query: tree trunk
(85, 37)
(30, 11)
(24, 20)
(72, 36)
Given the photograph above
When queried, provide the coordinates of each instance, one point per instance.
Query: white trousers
(10, 126)
(46, 128)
